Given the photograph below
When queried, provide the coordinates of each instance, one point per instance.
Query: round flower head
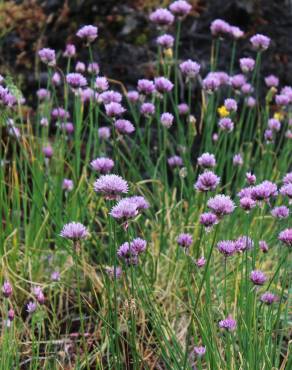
(7, 289)
(245, 192)
(103, 165)
(104, 133)
(230, 105)
(285, 237)
(237, 81)
(31, 307)
(113, 272)
(264, 191)
(55, 276)
(162, 17)
(211, 83)
(237, 160)
(175, 161)
(70, 51)
(244, 243)
(236, 32)
(247, 88)
(208, 219)
(93, 68)
(114, 109)
(56, 79)
(76, 80)
(60, 113)
(288, 134)
(219, 28)
(287, 178)
(74, 231)
(183, 108)
(247, 203)
(207, 181)
(133, 96)
(138, 245)
(260, 42)
(215, 137)
(250, 102)
(11, 314)
(250, 178)
(87, 33)
(286, 190)
(166, 41)
(101, 84)
(146, 87)
(14, 132)
(48, 56)
(185, 240)
(200, 351)
(280, 212)
(147, 109)
(44, 122)
(48, 151)
(269, 298)
(258, 277)
(189, 68)
(86, 94)
(124, 210)
(180, 8)
(68, 127)
(123, 126)
(247, 64)
(282, 100)
(263, 246)
(221, 205)
(80, 67)
(128, 254)
(110, 97)
(43, 94)
(268, 135)
(272, 81)
(167, 119)
(228, 324)
(163, 84)
(226, 247)
(200, 262)
(226, 124)
(112, 186)
(67, 185)
(207, 160)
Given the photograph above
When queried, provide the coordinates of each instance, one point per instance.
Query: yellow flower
(168, 53)
(279, 116)
(222, 111)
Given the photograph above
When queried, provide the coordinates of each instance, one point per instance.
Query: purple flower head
(244, 243)
(167, 119)
(258, 277)
(112, 273)
(138, 245)
(44, 122)
(189, 68)
(110, 96)
(67, 185)
(215, 137)
(272, 81)
(286, 190)
(74, 231)
(223, 77)
(11, 314)
(43, 94)
(264, 191)
(287, 90)
(207, 181)
(133, 96)
(237, 160)
(103, 165)
(147, 109)
(287, 178)
(247, 64)
(250, 178)
(76, 80)
(104, 132)
(247, 88)
(86, 94)
(48, 151)
(221, 205)
(80, 67)
(211, 83)
(166, 41)
(38, 293)
(60, 113)
(48, 56)
(280, 212)
(114, 109)
(200, 262)
(237, 81)
(285, 237)
(146, 87)
(288, 134)
(70, 51)
(263, 246)
(93, 68)
(219, 28)
(274, 124)
(124, 210)
(31, 307)
(180, 8)
(185, 240)
(112, 186)
(128, 254)
(282, 99)
(207, 160)
(7, 289)
(269, 298)
(183, 108)
(226, 247)
(251, 102)
(226, 124)
(208, 219)
(162, 17)
(200, 351)
(139, 201)
(14, 132)
(245, 192)
(230, 105)
(236, 32)
(56, 79)
(247, 203)
(268, 135)
(101, 84)
(175, 161)
(229, 324)
(123, 126)
(87, 33)
(260, 42)
(55, 276)
(68, 127)
(163, 84)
